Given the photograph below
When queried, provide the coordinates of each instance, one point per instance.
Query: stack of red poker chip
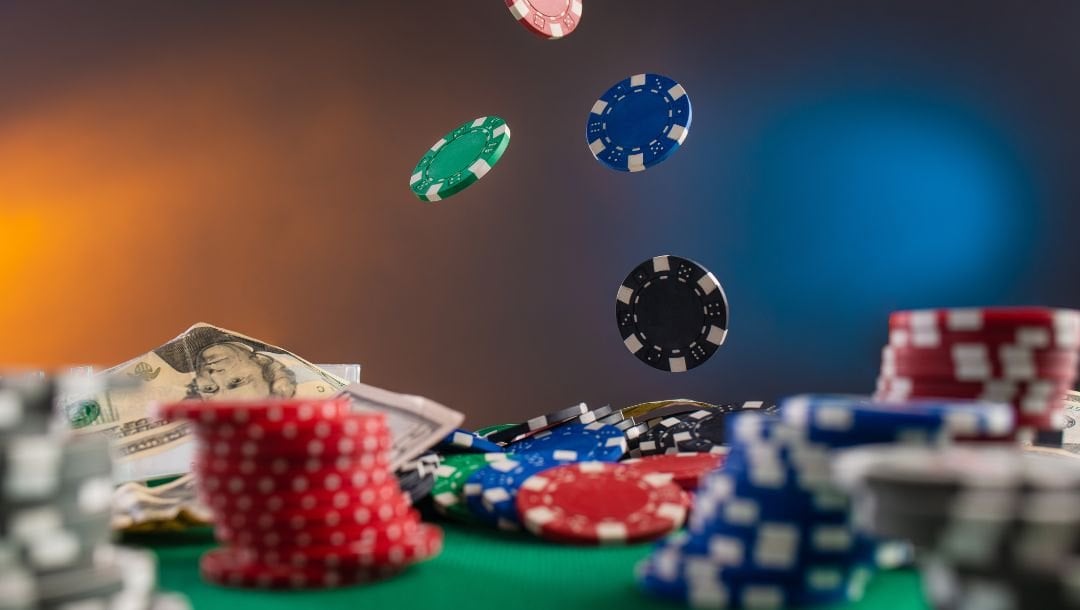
(1024, 356)
(302, 494)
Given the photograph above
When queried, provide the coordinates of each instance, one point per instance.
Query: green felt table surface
(478, 569)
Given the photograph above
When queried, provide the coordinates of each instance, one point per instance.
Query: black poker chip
(672, 313)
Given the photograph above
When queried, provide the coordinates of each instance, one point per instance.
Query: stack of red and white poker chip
(302, 494)
(1024, 356)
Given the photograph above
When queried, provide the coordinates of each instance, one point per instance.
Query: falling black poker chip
(672, 313)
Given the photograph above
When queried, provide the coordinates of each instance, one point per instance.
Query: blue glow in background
(846, 159)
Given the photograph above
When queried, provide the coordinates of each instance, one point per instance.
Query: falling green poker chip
(460, 159)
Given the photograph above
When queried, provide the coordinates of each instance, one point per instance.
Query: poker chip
(639, 122)
(686, 469)
(491, 492)
(836, 419)
(317, 535)
(647, 409)
(463, 440)
(772, 528)
(450, 479)
(672, 313)
(549, 19)
(994, 514)
(593, 415)
(399, 547)
(595, 441)
(488, 430)
(561, 504)
(223, 567)
(1029, 327)
(537, 424)
(462, 157)
(1024, 356)
(305, 501)
(974, 362)
(56, 496)
(695, 431)
(242, 413)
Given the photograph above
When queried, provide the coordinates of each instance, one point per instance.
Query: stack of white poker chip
(55, 512)
(994, 526)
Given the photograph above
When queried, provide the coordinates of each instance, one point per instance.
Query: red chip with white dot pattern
(302, 494)
(686, 469)
(601, 503)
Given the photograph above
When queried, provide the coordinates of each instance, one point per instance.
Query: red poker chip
(220, 502)
(601, 503)
(263, 410)
(329, 447)
(284, 464)
(978, 372)
(223, 567)
(992, 391)
(353, 424)
(317, 536)
(1037, 328)
(685, 469)
(547, 18)
(419, 544)
(297, 519)
(298, 482)
(978, 318)
(979, 361)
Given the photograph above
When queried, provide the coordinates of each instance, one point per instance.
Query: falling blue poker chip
(639, 122)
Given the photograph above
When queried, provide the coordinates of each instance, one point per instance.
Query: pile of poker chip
(1024, 356)
(995, 527)
(302, 494)
(558, 475)
(55, 514)
(771, 528)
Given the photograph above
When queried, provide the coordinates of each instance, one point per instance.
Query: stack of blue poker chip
(771, 528)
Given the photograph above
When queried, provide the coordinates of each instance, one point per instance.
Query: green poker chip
(461, 158)
(450, 478)
(485, 431)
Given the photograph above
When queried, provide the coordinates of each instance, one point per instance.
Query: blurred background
(246, 164)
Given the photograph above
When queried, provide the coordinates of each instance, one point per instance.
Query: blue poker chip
(594, 442)
(639, 122)
(491, 492)
(465, 441)
(844, 421)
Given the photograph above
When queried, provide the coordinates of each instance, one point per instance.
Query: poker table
(478, 568)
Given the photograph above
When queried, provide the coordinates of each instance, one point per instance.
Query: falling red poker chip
(549, 19)
(263, 411)
(601, 503)
(224, 566)
(686, 469)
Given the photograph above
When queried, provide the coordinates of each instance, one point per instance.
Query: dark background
(246, 164)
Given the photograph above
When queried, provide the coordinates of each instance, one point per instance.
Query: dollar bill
(416, 423)
(1070, 436)
(203, 363)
